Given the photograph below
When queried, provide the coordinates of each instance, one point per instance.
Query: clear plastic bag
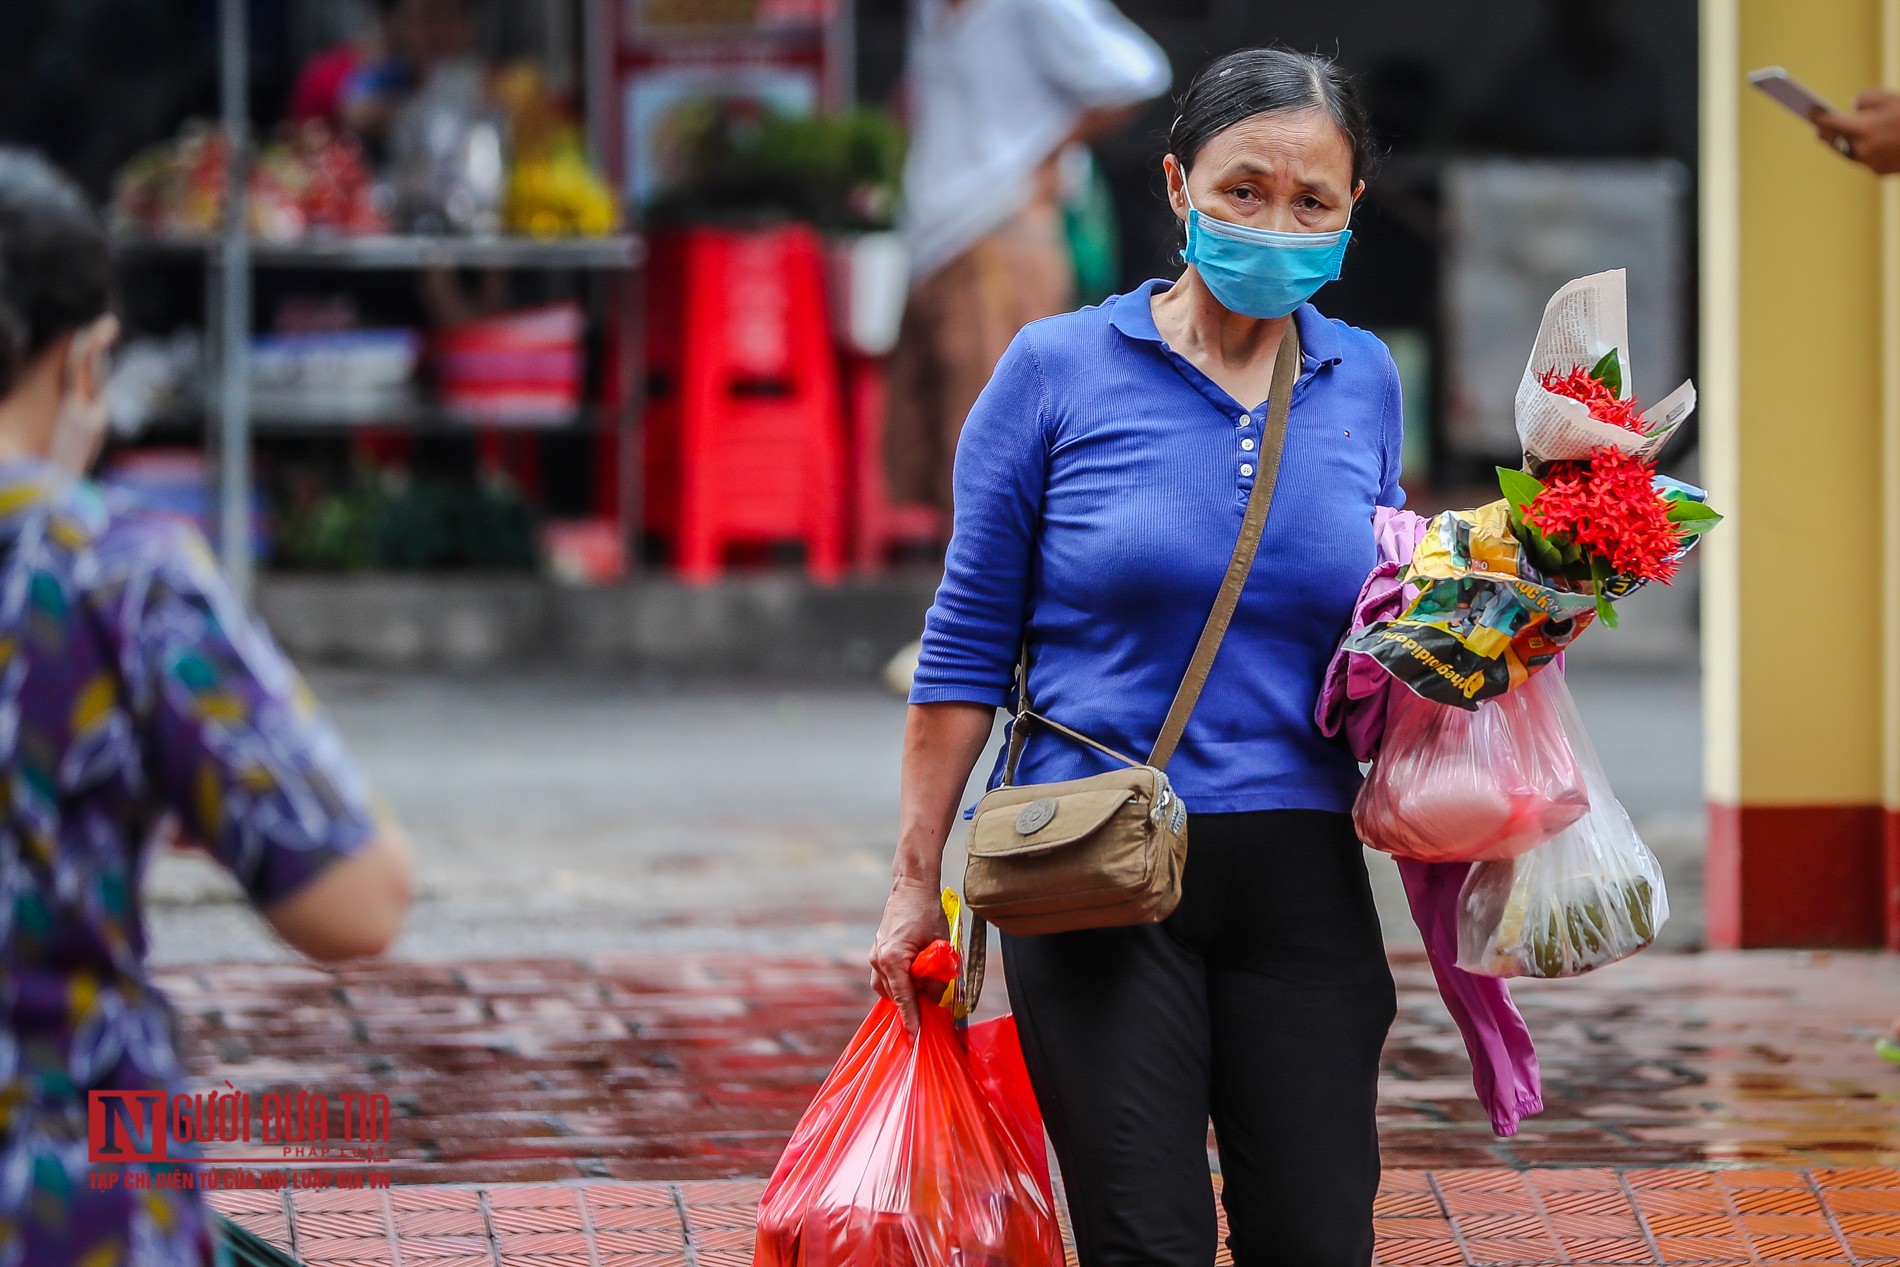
(1456, 785)
(1591, 895)
(906, 1159)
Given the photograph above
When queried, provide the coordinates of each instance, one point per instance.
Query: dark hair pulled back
(55, 264)
(1255, 81)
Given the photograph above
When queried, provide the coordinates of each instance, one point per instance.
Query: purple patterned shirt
(132, 685)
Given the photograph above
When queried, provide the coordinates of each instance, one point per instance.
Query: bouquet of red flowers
(1607, 519)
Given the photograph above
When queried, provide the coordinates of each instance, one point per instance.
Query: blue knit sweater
(1100, 483)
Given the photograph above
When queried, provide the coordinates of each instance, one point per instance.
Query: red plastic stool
(878, 525)
(660, 410)
(760, 428)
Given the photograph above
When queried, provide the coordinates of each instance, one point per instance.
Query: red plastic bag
(1458, 785)
(903, 1160)
(996, 1060)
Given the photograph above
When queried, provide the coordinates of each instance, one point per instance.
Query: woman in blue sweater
(1100, 484)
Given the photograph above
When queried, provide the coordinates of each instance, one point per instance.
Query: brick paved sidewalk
(697, 1066)
(1480, 1218)
(523, 1090)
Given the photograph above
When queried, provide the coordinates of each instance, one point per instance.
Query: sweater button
(1247, 444)
(1246, 468)
(1245, 420)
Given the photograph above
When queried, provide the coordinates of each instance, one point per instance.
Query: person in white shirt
(998, 90)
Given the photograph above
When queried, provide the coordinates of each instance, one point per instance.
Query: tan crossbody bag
(1109, 849)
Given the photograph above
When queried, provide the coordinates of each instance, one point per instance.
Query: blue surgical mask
(1261, 272)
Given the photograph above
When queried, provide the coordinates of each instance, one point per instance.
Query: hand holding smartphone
(1868, 135)
(1802, 100)
(1784, 88)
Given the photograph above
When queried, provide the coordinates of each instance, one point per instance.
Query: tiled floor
(696, 1067)
(1451, 1217)
(655, 1092)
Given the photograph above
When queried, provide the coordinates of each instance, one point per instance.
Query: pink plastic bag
(1457, 785)
(903, 1160)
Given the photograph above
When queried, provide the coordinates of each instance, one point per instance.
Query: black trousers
(1261, 1002)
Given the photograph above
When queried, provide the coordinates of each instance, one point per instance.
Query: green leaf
(1546, 556)
(1693, 513)
(1609, 372)
(1600, 575)
(1519, 488)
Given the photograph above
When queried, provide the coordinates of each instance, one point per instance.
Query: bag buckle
(1167, 807)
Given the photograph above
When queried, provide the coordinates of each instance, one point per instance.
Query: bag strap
(1267, 472)
(1016, 744)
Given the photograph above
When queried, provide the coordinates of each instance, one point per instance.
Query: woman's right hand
(941, 743)
(913, 918)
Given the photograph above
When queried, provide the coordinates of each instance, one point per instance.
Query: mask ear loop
(1192, 209)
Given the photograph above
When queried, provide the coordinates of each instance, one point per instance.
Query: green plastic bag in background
(1088, 218)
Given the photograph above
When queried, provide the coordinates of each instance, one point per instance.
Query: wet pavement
(576, 811)
(688, 1067)
(639, 948)
(1454, 1217)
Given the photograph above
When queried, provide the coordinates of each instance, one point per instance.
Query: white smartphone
(1788, 90)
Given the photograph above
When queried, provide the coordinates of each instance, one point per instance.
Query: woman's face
(1290, 171)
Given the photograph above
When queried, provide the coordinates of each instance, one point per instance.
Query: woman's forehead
(1308, 143)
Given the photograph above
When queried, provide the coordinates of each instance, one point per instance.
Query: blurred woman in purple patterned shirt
(133, 687)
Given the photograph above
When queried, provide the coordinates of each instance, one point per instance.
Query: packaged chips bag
(1590, 895)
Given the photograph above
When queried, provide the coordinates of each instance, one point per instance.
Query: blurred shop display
(349, 374)
(523, 366)
(439, 355)
(449, 365)
(447, 155)
(308, 179)
(387, 520)
(1516, 230)
(553, 189)
(469, 153)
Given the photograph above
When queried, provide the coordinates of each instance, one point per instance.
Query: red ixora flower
(1609, 506)
(1603, 404)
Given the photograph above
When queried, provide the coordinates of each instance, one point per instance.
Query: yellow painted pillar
(1800, 416)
